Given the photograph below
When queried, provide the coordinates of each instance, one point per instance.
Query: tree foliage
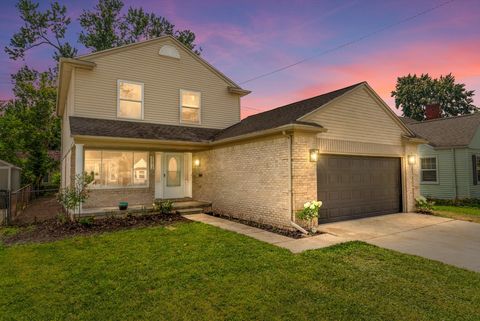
(412, 93)
(41, 28)
(29, 127)
(105, 26)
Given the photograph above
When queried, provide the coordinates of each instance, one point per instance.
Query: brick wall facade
(304, 172)
(247, 180)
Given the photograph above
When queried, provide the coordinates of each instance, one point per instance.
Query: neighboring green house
(450, 163)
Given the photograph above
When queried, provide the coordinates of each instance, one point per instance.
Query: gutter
(281, 129)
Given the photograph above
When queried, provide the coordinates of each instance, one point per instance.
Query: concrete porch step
(179, 205)
(194, 210)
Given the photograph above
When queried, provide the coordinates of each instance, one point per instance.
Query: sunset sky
(244, 39)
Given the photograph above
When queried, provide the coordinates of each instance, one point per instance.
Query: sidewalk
(294, 245)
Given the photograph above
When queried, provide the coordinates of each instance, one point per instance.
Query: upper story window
(190, 106)
(129, 99)
(428, 170)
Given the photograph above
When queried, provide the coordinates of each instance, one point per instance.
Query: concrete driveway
(442, 239)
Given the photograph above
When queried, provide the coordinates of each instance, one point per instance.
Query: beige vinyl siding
(163, 78)
(358, 117)
(358, 148)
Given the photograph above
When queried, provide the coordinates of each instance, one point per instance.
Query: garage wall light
(412, 159)
(314, 153)
(196, 162)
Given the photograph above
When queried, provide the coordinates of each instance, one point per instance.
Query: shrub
(164, 207)
(62, 218)
(86, 221)
(423, 205)
(309, 212)
(75, 195)
(470, 202)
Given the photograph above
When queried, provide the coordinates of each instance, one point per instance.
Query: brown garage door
(354, 187)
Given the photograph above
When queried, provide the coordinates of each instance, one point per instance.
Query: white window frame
(118, 98)
(436, 170)
(199, 108)
(94, 187)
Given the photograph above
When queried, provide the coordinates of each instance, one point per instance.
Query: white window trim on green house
(422, 170)
(476, 169)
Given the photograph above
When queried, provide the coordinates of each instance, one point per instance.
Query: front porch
(181, 206)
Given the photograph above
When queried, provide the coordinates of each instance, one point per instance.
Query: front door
(173, 173)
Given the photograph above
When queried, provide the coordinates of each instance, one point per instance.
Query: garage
(353, 187)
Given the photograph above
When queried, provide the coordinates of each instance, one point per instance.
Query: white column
(78, 164)
(78, 159)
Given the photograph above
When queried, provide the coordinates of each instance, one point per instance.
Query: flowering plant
(309, 211)
(423, 205)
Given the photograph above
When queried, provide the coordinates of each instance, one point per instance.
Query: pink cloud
(381, 70)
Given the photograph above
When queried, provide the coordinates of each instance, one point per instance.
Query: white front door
(173, 175)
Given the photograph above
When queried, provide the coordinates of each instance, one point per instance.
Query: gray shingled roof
(448, 132)
(280, 116)
(408, 120)
(130, 129)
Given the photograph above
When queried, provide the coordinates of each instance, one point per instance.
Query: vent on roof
(169, 51)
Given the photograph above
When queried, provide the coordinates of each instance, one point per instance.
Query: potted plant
(309, 212)
(122, 206)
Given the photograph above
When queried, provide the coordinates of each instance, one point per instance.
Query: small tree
(309, 212)
(74, 196)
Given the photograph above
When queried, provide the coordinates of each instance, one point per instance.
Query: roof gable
(156, 42)
(288, 114)
(374, 100)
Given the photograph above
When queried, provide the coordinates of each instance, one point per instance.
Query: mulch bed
(52, 230)
(285, 232)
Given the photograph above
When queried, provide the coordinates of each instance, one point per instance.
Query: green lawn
(464, 213)
(197, 272)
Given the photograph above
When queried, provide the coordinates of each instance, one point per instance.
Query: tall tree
(106, 27)
(412, 93)
(41, 28)
(29, 127)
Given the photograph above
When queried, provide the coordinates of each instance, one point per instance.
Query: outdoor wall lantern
(314, 155)
(196, 162)
(412, 159)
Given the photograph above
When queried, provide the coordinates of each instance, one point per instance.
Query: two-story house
(153, 120)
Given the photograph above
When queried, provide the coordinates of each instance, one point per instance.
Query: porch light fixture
(412, 159)
(196, 162)
(314, 155)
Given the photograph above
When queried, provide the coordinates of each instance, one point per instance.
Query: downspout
(290, 184)
(455, 173)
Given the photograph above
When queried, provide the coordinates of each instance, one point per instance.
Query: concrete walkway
(294, 245)
(442, 239)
